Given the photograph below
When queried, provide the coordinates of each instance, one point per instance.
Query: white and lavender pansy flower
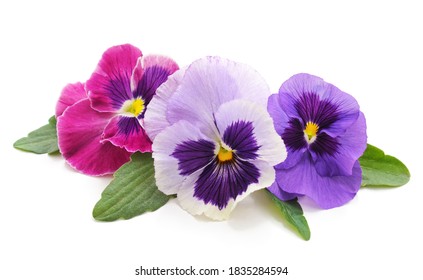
(101, 125)
(214, 142)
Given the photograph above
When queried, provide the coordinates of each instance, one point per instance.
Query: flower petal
(196, 206)
(194, 155)
(126, 132)
(294, 156)
(309, 98)
(210, 82)
(280, 119)
(137, 74)
(219, 182)
(162, 61)
(157, 68)
(353, 143)
(271, 147)
(155, 119)
(71, 94)
(292, 136)
(167, 168)
(327, 192)
(348, 109)
(239, 136)
(279, 193)
(110, 85)
(293, 89)
(79, 132)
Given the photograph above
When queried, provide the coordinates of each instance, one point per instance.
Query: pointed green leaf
(380, 170)
(40, 141)
(132, 191)
(292, 212)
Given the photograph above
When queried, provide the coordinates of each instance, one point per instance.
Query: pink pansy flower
(100, 124)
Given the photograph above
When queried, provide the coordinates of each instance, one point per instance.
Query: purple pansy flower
(213, 140)
(325, 133)
(102, 123)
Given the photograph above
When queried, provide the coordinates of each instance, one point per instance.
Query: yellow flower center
(133, 107)
(310, 131)
(224, 155)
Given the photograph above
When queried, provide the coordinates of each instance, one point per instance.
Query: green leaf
(292, 212)
(40, 141)
(380, 170)
(132, 191)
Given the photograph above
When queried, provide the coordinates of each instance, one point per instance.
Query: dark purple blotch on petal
(151, 79)
(119, 89)
(312, 109)
(193, 155)
(321, 112)
(240, 137)
(293, 136)
(325, 144)
(128, 125)
(221, 181)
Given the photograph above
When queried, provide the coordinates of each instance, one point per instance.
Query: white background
(372, 50)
